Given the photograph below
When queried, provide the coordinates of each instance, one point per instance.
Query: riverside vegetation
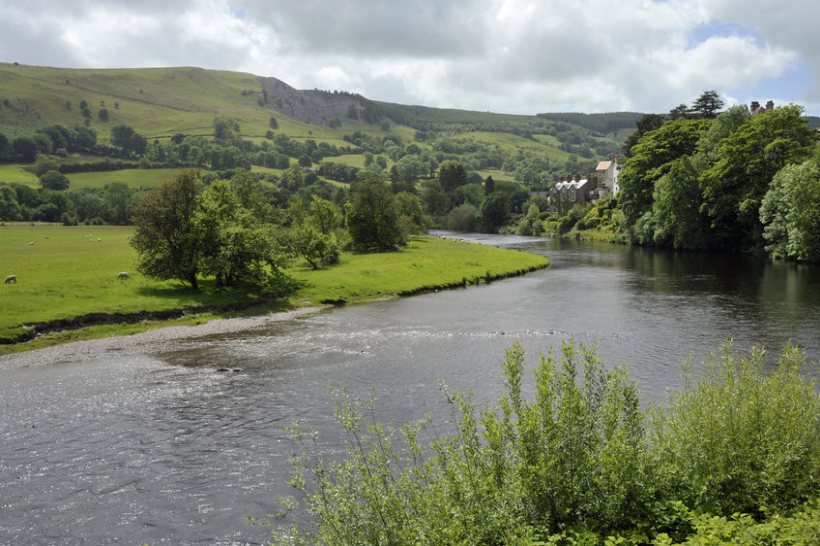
(70, 273)
(734, 181)
(731, 459)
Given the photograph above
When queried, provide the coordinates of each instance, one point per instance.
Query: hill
(160, 102)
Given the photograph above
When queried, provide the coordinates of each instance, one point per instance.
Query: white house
(607, 174)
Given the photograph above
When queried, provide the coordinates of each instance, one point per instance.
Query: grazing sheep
(11, 278)
(31, 243)
(122, 275)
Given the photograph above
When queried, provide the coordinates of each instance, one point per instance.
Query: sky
(511, 56)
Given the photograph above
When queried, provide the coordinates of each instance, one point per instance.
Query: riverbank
(68, 290)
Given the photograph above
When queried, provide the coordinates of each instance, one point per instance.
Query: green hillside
(159, 102)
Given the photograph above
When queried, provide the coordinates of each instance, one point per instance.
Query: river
(154, 442)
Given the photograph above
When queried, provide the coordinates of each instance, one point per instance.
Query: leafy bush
(739, 440)
(579, 462)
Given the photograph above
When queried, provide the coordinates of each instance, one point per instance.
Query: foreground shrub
(741, 440)
(578, 463)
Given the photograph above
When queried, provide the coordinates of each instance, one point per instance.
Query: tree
(165, 237)
(305, 161)
(464, 218)
(231, 245)
(273, 123)
(451, 175)
(317, 248)
(495, 210)
(9, 207)
(708, 104)
(651, 158)
(131, 142)
(676, 208)
(5, 147)
(647, 123)
(25, 149)
(103, 114)
(371, 215)
(790, 213)
(325, 215)
(54, 180)
(489, 185)
(411, 215)
(747, 160)
(225, 129)
(679, 111)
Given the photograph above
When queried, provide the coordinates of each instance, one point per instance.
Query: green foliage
(578, 462)
(801, 528)
(165, 238)
(24, 149)
(678, 221)
(411, 217)
(451, 175)
(740, 440)
(494, 212)
(747, 160)
(371, 215)
(651, 158)
(54, 180)
(319, 249)
(230, 244)
(465, 218)
(790, 213)
(708, 104)
(128, 139)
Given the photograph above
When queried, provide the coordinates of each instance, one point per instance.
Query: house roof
(603, 165)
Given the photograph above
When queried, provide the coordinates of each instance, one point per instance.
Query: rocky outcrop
(319, 107)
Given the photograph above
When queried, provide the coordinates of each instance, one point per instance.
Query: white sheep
(122, 275)
(31, 243)
(11, 279)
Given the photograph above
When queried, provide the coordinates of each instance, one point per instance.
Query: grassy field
(15, 172)
(72, 271)
(425, 262)
(133, 178)
(157, 102)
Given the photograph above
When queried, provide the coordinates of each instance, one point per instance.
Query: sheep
(31, 243)
(122, 275)
(11, 279)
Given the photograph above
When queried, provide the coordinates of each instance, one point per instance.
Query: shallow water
(151, 442)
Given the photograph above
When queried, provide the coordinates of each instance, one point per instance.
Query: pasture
(72, 271)
(133, 178)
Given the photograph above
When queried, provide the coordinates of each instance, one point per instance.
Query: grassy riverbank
(68, 272)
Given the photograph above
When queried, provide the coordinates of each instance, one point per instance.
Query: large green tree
(131, 142)
(232, 246)
(652, 158)
(747, 160)
(790, 213)
(371, 215)
(166, 237)
(676, 215)
(708, 104)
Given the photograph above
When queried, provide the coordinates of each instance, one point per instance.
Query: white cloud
(503, 55)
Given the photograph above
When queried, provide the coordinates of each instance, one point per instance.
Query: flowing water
(155, 442)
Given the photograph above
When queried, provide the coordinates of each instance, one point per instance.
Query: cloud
(522, 56)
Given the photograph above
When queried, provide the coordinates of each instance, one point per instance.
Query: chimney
(770, 105)
(755, 105)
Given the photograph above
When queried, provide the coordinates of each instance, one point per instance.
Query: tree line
(731, 181)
